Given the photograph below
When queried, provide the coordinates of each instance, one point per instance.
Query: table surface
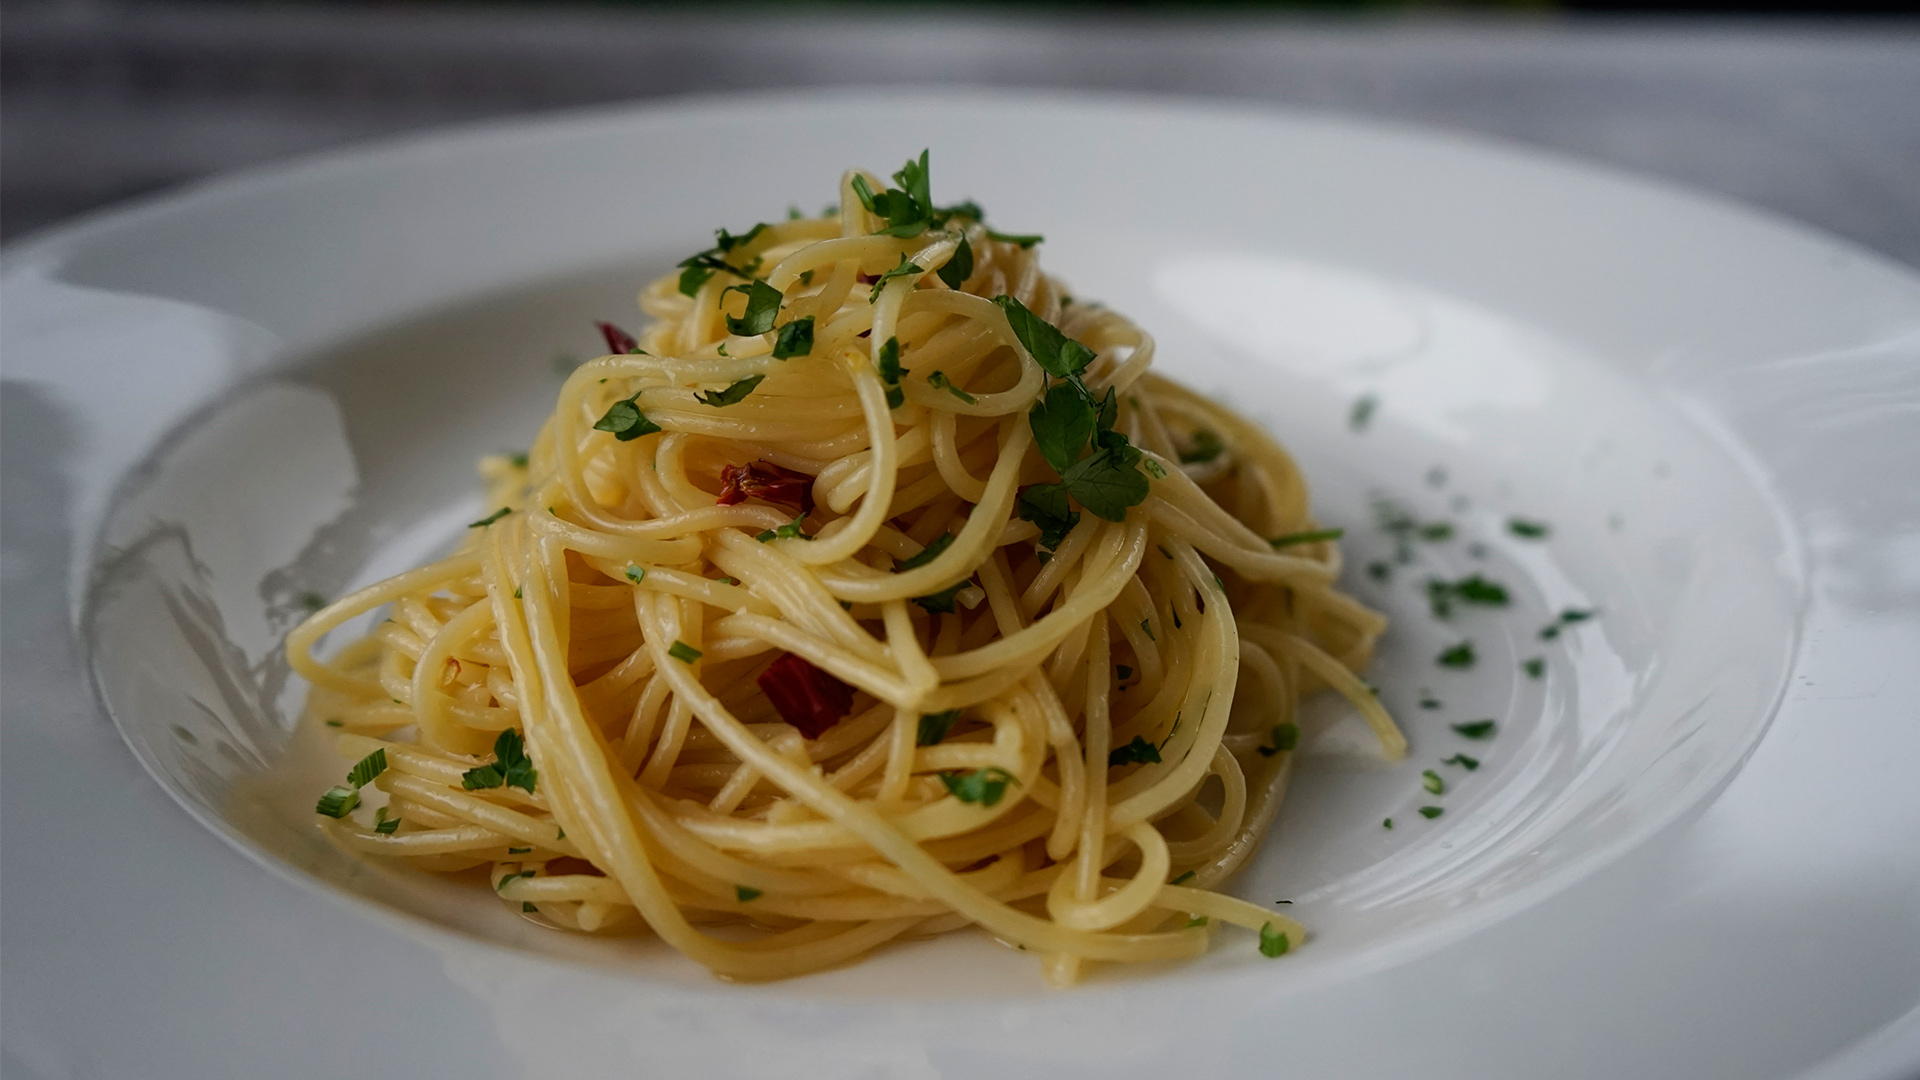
(105, 100)
(102, 102)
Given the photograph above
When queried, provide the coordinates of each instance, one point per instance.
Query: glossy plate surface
(286, 378)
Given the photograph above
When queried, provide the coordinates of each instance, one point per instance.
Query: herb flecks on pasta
(875, 589)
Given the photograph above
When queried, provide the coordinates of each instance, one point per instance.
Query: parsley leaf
(1273, 942)
(794, 339)
(491, 518)
(983, 786)
(1527, 530)
(763, 305)
(683, 652)
(1183, 878)
(510, 767)
(935, 725)
(1062, 422)
(1054, 351)
(1442, 595)
(625, 421)
(1463, 761)
(959, 266)
(1431, 812)
(1432, 782)
(1478, 729)
(1106, 483)
(789, 531)
(907, 268)
(939, 381)
(636, 573)
(1137, 752)
(1534, 666)
(386, 826)
(927, 554)
(1045, 505)
(1459, 656)
(732, 395)
(744, 894)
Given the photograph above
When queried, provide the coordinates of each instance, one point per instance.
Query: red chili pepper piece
(765, 480)
(806, 697)
(618, 340)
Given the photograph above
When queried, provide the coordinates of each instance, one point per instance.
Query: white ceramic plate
(278, 384)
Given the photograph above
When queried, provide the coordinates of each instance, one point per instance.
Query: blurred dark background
(1809, 109)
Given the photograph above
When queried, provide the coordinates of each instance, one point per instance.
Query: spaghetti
(877, 590)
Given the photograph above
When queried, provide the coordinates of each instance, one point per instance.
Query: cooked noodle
(622, 615)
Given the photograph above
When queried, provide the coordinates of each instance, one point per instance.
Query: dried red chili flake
(618, 340)
(765, 480)
(806, 697)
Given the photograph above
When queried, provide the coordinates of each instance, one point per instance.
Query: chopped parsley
(338, 802)
(312, 601)
(1123, 671)
(1463, 761)
(1432, 782)
(763, 305)
(367, 768)
(683, 652)
(1183, 878)
(1387, 824)
(1567, 618)
(1478, 729)
(891, 372)
(1045, 505)
(1459, 656)
(1204, 446)
(1062, 421)
(1428, 701)
(1285, 738)
(1362, 413)
(491, 518)
(335, 723)
(1273, 942)
(794, 339)
(929, 553)
(625, 420)
(1106, 483)
(1058, 354)
(939, 381)
(518, 461)
(907, 268)
(1474, 589)
(1146, 627)
(1137, 752)
(744, 894)
(1154, 469)
(732, 395)
(1025, 240)
(1431, 812)
(1534, 666)
(636, 574)
(934, 727)
(1437, 531)
(1527, 530)
(528, 906)
(959, 266)
(941, 603)
(519, 851)
(510, 767)
(983, 786)
(1378, 570)
(702, 265)
(1314, 537)
(503, 882)
(789, 531)
(384, 825)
